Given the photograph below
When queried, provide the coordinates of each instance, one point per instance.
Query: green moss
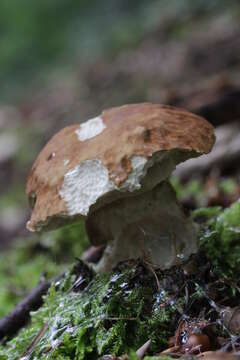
(66, 243)
(48, 254)
(19, 274)
(198, 191)
(228, 223)
(229, 186)
(193, 188)
(205, 214)
(114, 315)
(221, 241)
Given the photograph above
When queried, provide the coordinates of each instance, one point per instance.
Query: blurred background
(64, 61)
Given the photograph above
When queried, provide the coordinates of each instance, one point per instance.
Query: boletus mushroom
(113, 171)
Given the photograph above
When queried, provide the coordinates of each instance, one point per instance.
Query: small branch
(150, 268)
(20, 315)
(34, 342)
(143, 349)
(15, 320)
(93, 254)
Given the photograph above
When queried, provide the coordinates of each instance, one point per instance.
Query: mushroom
(113, 171)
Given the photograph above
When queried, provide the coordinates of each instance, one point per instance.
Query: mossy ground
(117, 313)
(46, 255)
(114, 314)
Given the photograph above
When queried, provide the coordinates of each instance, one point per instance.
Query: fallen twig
(15, 320)
(143, 349)
(11, 323)
(34, 342)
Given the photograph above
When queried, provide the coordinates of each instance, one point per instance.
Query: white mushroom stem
(151, 225)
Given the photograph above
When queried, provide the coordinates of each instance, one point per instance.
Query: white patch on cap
(66, 162)
(138, 172)
(90, 129)
(84, 185)
(89, 181)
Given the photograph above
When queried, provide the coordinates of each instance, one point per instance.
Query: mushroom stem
(151, 225)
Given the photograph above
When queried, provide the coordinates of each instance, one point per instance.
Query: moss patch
(46, 255)
(118, 312)
(220, 240)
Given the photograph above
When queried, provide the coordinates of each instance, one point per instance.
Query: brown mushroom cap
(137, 130)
